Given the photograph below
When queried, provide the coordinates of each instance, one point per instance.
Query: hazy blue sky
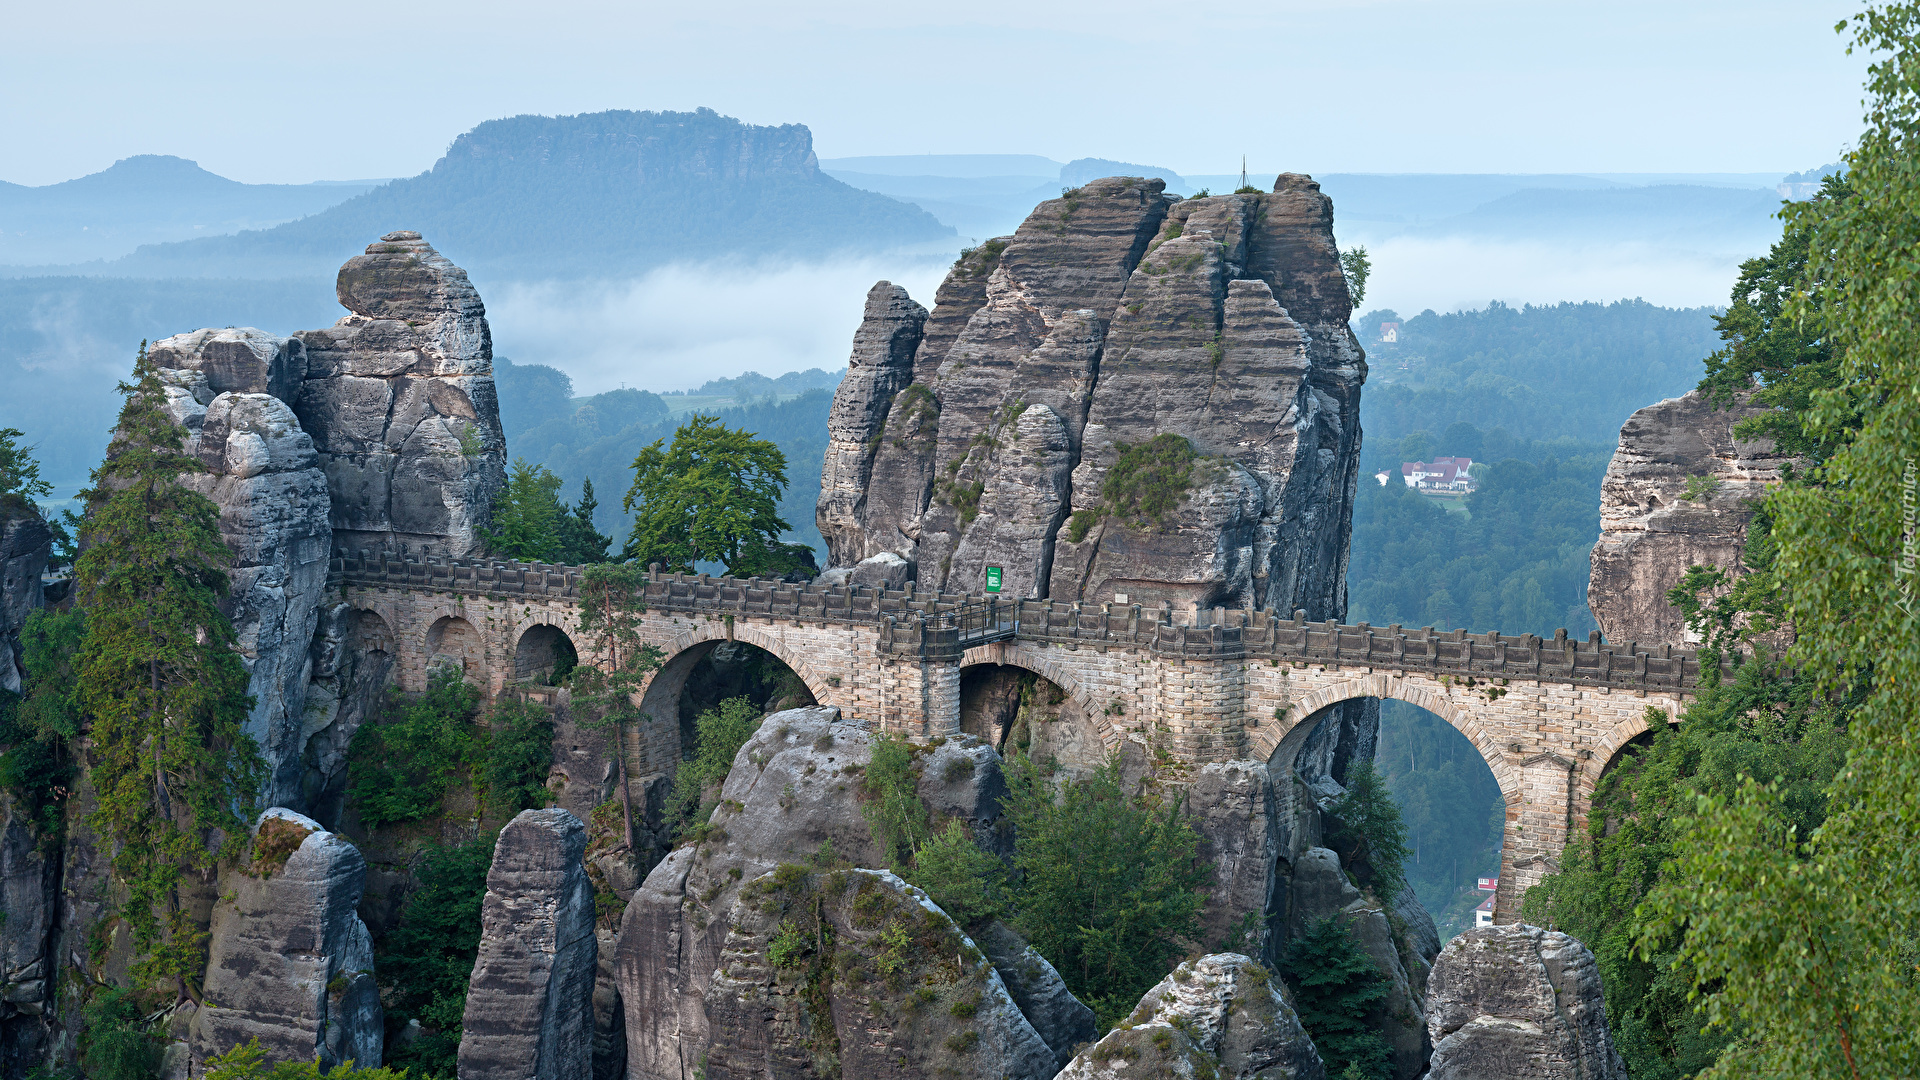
(272, 92)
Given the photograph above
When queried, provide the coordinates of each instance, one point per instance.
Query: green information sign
(993, 579)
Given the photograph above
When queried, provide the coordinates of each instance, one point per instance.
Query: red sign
(1489, 884)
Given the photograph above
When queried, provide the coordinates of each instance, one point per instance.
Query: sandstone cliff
(1517, 1000)
(1015, 425)
(1652, 528)
(231, 390)
(289, 961)
(382, 431)
(399, 399)
(529, 1012)
(25, 542)
(791, 795)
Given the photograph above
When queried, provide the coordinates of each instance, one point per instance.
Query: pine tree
(582, 544)
(1336, 986)
(160, 680)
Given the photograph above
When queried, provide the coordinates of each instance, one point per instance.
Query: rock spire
(1134, 398)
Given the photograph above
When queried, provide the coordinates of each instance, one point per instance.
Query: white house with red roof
(1441, 474)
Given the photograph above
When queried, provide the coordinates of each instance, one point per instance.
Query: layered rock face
(792, 794)
(530, 1001)
(399, 399)
(857, 973)
(989, 432)
(1221, 1016)
(263, 474)
(381, 431)
(289, 961)
(28, 874)
(1517, 1000)
(1651, 532)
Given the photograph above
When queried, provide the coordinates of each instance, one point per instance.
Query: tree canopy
(531, 524)
(710, 496)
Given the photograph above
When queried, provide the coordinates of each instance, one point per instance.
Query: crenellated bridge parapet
(1547, 714)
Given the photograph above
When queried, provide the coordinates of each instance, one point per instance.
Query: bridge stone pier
(1548, 715)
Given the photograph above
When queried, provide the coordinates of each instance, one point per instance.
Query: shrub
(892, 802)
(117, 1044)
(519, 757)
(1109, 881)
(968, 883)
(1148, 479)
(424, 964)
(719, 733)
(399, 768)
(248, 1062)
(1336, 986)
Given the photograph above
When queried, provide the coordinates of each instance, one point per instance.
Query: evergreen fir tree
(581, 543)
(159, 678)
(1336, 987)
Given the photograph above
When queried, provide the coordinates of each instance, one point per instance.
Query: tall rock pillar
(399, 399)
(530, 1004)
(289, 961)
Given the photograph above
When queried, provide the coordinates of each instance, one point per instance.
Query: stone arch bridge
(1548, 715)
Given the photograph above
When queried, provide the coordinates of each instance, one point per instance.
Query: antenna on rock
(1243, 170)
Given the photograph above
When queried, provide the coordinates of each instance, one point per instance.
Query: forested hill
(1535, 372)
(582, 196)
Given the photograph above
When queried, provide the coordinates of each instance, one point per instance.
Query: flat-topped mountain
(588, 195)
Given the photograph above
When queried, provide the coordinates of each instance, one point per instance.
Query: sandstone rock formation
(25, 542)
(530, 1002)
(400, 402)
(985, 433)
(263, 474)
(1221, 1016)
(857, 973)
(1651, 531)
(1517, 1000)
(289, 961)
(791, 796)
(27, 894)
(1059, 1018)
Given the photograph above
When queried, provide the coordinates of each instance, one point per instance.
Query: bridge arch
(455, 642)
(1090, 736)
(1268, 741)
(543, 650)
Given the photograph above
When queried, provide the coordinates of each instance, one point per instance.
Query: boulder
(237, 360)
(530, 1008)
(1114, 315)
(288, 960)
(857, 973)
(1221, 1016)
(1516, 1000)
(1059, 1018)
(400, 401)
(1651, 532)
(791, 798)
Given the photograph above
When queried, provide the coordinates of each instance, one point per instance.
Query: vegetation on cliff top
(160, 680)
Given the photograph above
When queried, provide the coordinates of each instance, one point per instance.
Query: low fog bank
(1413, 274)
(680, 326)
